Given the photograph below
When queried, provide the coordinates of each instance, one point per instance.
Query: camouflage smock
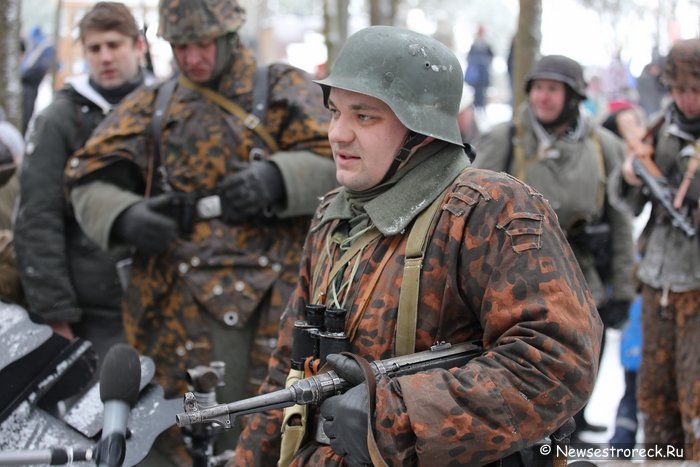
(233, 272)
(497, 268)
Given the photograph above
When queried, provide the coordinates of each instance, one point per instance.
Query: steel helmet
(418, 77)
(682, 65)
(189, 21)
(558, 68)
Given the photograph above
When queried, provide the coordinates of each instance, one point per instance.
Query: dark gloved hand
(143, 226)
(345, 416)
(251, 192)
(614, 313)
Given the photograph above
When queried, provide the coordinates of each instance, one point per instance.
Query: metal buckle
(251, 121)
(209, 207)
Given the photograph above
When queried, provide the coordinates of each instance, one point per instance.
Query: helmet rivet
(388, 76)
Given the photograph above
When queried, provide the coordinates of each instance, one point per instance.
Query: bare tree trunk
(335, 27)
(383, 12)
(11, 87)
(526, 45)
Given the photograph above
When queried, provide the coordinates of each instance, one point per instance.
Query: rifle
(660, 191)
(639, 141)
(317, 388)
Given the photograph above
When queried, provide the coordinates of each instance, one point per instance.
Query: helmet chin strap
(413, 139)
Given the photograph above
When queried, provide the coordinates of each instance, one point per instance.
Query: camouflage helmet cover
(682, 65)
(558, 68)
(190, 21)
(418, 77)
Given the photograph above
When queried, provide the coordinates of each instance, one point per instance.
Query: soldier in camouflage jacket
(209, 287)
(497, 268)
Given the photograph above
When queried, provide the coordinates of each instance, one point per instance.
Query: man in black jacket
(67, 278)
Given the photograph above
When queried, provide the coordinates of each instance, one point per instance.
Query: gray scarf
(392, 205)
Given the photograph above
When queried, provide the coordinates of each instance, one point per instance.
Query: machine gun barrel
(315, 389)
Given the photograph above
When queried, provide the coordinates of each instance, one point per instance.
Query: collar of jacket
(81, 85)
(394, 209)
(574, 133)
(680, 127)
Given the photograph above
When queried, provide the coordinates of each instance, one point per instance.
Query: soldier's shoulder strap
(164, 93)
(408, 295)
(260, 92)
(251, 121)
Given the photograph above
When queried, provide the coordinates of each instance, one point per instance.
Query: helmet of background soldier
(682, 64)
(418, 77)
(558, 68)
(192, 21)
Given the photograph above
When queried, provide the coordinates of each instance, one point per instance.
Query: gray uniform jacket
(670, 259)
(63, 272)
(568, 173)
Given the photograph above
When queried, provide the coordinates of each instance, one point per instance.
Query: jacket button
(277, 267)
(180, 351)
(239, 286)
(217, 290)
(183, 268)
(231, 318)
(195, 261)
(263, 261)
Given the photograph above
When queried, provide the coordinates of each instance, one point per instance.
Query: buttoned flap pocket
(231, 294)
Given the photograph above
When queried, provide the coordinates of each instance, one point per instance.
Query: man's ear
(140, 45)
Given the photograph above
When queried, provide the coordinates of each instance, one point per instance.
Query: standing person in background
(478, 74)
(568, 158)
(651, 89)
(37, 58)
(496, 268)
(668, 391)
(67, 278)
(215, 206)
(616, 78)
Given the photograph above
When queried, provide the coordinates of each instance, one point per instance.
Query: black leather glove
(345, 415)
(614, 313)
(251, 192)
(145, 227)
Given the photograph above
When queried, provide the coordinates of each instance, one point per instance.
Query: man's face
(113, 58)
(547, 98)
(687, 99)
(365, 136)
(196, 60)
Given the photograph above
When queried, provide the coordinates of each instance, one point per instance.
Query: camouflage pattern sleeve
(296, 108)
(122, 135)
(541, 333)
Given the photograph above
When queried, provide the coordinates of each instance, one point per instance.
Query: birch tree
(335, 27)
(10, 87)
(526, 44)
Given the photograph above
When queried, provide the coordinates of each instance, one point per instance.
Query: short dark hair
(109, 16)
